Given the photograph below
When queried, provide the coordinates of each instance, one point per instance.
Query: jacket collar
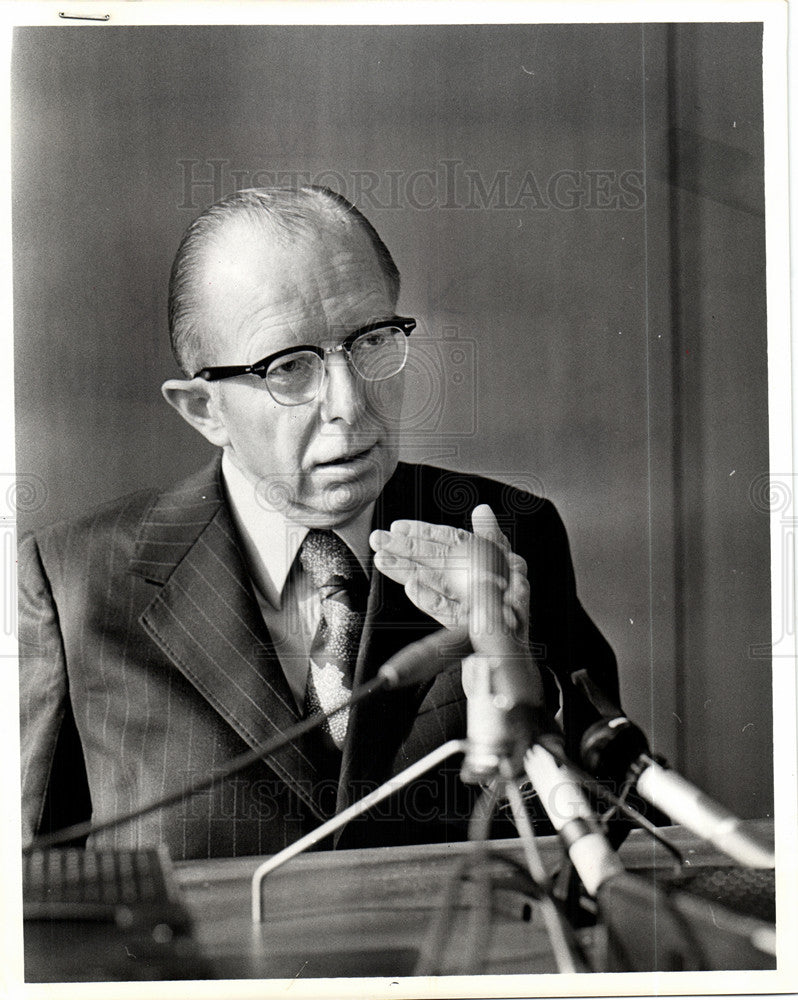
(206, 620)
(175, 521)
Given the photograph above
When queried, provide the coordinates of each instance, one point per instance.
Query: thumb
(485, 525)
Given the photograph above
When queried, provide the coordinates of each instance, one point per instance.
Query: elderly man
(168, 632)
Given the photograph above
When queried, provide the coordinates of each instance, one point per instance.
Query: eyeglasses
(376, 352)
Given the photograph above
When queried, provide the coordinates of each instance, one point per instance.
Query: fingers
(429, 543)
(486, 526)
(484, 523)
(516, 599)
(395, 568)
(445, 534)
(417, 541)
(427, 588)
(415, 555)
(418, 556)
(412, 547)
(404, 570)
(517, 592)
(433, 603)
(517, 564)
(516, 596)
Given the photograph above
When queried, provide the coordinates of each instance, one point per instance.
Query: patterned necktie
(341, 585)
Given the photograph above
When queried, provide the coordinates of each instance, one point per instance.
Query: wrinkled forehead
(261, 290)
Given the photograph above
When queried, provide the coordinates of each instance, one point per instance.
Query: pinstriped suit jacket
(145, 663)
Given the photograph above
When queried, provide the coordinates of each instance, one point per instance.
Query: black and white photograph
(400, 504)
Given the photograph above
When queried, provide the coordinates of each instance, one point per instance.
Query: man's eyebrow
(342, 332)
(337, 334)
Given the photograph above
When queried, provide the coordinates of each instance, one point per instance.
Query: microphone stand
(394, 784)
(502, 716)
(507, 733)
(491, 759)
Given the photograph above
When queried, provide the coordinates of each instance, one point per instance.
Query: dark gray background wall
(578, 215)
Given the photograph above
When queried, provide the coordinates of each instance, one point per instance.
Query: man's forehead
(249, 275)
(246, 255)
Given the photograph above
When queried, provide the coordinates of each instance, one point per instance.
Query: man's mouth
(346, 458)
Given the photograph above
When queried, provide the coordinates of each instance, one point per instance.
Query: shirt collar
(272, 540)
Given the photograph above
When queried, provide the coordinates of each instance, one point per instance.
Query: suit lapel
(206, 620)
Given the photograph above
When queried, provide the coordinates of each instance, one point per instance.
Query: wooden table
(369, 912)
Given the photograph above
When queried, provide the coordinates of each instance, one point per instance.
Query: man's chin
(336, 508)
(344, 499)
(339, 494)
(330, 494)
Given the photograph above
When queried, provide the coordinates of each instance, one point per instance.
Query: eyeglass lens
(375, 356)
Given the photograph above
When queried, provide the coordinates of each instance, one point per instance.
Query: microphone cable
(436, 653)
(614, 748)
(233, 766)
(430, 958)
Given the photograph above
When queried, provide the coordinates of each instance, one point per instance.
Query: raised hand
(425, 558)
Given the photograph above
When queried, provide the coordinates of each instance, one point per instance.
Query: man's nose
(342, 393)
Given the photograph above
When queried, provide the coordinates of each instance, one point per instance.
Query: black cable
(232, 767)
(481, 819)
(428, 962)
(474, 867)
(691, 947)
(522, 882)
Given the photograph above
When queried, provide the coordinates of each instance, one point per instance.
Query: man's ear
(197, 403)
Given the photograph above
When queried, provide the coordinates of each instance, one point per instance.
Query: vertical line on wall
(677, 449)
(647, 357)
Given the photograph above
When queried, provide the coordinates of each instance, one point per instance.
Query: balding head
(262, 273)
(281, 220)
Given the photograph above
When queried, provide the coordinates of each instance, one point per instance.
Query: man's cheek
(281, 485)
(384, 403)
(290, 450)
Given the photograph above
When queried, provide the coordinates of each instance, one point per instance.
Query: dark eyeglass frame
(261, 368)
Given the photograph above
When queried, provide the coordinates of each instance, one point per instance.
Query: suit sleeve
(563, 637)
(43, 684)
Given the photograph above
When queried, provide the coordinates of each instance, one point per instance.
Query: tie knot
(327, 560)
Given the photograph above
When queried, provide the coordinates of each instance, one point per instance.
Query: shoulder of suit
(121, 508)
(454, 494)
(122, 517)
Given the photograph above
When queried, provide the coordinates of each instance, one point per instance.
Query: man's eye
(377, 338)
(294, 368)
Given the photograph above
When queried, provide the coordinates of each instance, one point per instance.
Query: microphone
(416, 663)
(516, 685)
(615, 749)
(422, 660)
(516, 714)
(566, 805)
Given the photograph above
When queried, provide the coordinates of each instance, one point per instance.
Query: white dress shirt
(287, 600)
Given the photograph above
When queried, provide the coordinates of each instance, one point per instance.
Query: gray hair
(288, 213)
